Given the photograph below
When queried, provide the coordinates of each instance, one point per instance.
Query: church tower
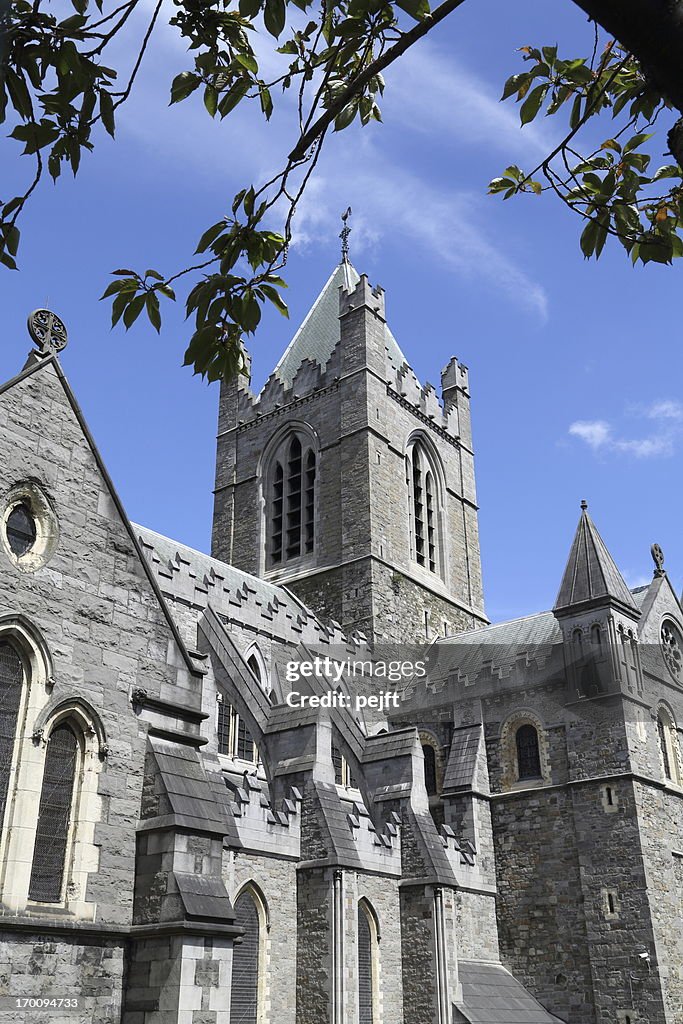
(348, 481)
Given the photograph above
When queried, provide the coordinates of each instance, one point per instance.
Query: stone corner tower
(349, 481)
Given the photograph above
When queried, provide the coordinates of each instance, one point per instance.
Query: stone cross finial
(344, 235)
(47, 331)
(658, 559)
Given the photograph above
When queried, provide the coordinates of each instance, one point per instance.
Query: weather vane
(344, 235)
(48, 331)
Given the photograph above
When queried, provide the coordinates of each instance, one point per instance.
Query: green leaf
(233, 96)
(152, 304)
(274, 16)
(667, 171)
(211, 100)
(346, 115)
(184, 85)
(133, 310)
(532, 104)
(636, 141)
(417, 9)
(274, 296)
(210, 235)
(249, 8)
(248, 61)
(588, 238)
(266, 101)
(107, 111)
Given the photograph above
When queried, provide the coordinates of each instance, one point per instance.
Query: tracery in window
(290, 498)
(424, 507)
(54, 815)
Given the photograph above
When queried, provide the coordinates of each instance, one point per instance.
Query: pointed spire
(591, 575)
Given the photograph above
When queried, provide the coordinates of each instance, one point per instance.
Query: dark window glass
(528, 757)
(255, 668)
(245, 744)
(365, 1014)
(54, 815)
(245, 964)
(11, 681)
(309, 497)
(21, 530)
(418, 509)
(430, 769)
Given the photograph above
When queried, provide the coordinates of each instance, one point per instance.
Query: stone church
(185, 840)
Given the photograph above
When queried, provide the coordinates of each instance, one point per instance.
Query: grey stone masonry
(362, 409)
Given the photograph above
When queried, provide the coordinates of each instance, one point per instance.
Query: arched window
(290, 499)
(367, 965)
(528, 755)
(430, 769)
(234, 739)
(667, 735)
(246, 965)
(424, 507)
(257, 667)
(54, 815)
(11, 683)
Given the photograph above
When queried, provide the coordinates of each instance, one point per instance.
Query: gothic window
(11, 683)
(54, 816)
(667, 735)
(367, 966)
(528, 754)
(430, 769)
(244, 992)
(21, 529)
(234, 738)
(291, 501)
(424, 507)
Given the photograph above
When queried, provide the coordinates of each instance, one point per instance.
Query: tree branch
(377, 66)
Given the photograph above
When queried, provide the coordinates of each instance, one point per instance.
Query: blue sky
(575, 367)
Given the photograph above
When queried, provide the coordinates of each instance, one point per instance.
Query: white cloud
(601, 437)
(596, 433)
(430, 91)
(665, 409)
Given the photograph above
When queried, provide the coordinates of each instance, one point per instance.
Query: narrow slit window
(366, 1013)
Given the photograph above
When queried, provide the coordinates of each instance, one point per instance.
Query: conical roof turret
(591, 576)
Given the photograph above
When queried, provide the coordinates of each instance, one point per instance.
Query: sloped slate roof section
(591, 574)
(464, 759)
(490, 995)
(320, 332)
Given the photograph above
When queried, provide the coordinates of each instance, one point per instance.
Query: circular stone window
(29, 527)
(672, 648)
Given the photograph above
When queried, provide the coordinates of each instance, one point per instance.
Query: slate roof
(490, 995)
(591, 574)
(320, 332)
(461, 769)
